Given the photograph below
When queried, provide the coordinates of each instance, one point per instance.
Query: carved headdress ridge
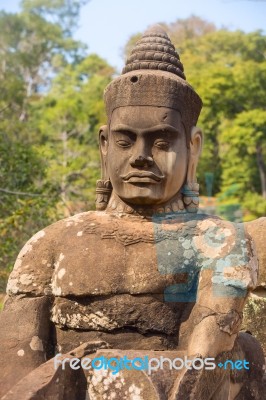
(155, 51)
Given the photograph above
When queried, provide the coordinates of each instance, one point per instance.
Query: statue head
(150, 147)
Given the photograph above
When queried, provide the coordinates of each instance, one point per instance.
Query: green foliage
(228, 71)
(254, 206)
(61, 12)
(242, 144)
(1, 300)
(67, 121)
(24, 199)
(32, 49)
(189, 29)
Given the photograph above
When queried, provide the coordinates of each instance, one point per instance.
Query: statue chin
(143, 195)
(142, 201)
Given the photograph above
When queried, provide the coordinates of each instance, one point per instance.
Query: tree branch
(5, 108)
(20, 193)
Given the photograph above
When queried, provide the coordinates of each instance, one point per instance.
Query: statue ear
(103, 144)
(191, 187)
(103, 185)
(195, 147)
(103, 137)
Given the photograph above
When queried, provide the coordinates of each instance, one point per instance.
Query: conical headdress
(154, 76)
(155, 51)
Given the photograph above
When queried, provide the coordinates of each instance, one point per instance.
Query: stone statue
(145, 274)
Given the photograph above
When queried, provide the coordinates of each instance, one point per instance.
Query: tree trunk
(63, 185)
(262, 170)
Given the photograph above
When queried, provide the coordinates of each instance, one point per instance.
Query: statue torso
(107, 280)
(124, 279)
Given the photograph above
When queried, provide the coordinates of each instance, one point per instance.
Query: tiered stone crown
(155, 51)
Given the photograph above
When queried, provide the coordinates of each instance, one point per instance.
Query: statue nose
(141, 161)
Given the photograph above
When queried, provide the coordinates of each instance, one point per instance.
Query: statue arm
(214, 331)
(223, 290)
(24, 337)
(25, 327)
(218, 320)
(215, 322)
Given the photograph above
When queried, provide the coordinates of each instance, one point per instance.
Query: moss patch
(254, 319)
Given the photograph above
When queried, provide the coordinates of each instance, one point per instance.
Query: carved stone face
(146, 154)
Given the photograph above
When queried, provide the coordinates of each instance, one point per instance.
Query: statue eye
(161, 144)
(123, 143)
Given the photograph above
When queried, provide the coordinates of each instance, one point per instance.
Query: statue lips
(142, 177)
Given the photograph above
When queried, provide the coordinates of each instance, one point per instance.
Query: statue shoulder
(257, 231)
(209, 223)
(34, 265)
(227, 249)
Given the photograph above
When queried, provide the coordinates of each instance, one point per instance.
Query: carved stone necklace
(118, 206)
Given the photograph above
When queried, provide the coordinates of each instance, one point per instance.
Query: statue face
(146, 154)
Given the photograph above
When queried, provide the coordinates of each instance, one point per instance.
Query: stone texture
(53, 382)
(25, 337)
(257, 230)
(44, 383)
(255, 309)
(132, 384)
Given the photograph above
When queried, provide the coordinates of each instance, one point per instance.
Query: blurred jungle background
(51, 108)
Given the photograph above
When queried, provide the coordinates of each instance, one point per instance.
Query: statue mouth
(142, 177)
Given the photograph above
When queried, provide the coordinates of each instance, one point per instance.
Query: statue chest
(103, 267)
(105, 256)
